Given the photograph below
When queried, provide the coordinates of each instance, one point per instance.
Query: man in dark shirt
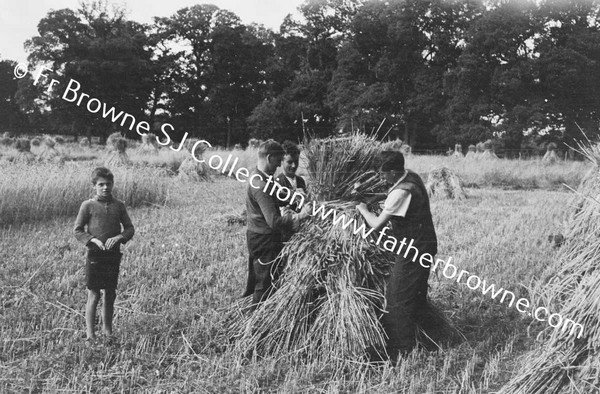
(265, 223)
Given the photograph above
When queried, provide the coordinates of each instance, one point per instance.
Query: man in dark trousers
(407, 209)
(265, 223)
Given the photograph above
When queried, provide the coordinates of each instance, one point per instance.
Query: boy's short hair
(270, 147)
(290, 148)
(391, 160)
(102, 172)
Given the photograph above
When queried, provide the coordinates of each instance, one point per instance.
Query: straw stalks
(24, 155)
(336, 167)
(444, 183)
(328, 299)
(48, 152)
(85, 142)
(118, 155)
(149, 145)
(568, 363)
(330, 295)
(191, 170)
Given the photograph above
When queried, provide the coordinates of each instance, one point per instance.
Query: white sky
(19, 18)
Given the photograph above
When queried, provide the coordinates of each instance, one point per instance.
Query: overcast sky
(19, 18)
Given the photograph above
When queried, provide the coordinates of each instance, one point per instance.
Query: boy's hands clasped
(110, 243)
(114, 241)
(98, 243)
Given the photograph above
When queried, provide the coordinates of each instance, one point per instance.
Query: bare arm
(374, 221)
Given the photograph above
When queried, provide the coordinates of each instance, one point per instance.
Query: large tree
(493, 87)
(306, 52)
(569, 66)
(13, 119)
(107, 54)
(223, 67)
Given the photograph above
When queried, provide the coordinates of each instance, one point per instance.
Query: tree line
(431, 72)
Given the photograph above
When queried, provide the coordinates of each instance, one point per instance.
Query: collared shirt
(398, 200)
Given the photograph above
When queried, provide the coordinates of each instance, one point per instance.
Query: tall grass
(563, 363)
(246, 158)
(45, 191)
(506, 174)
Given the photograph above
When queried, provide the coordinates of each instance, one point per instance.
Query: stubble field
(186, 265)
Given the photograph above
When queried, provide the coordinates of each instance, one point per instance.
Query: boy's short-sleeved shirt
(397, 202)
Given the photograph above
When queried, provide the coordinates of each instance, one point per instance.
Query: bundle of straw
(480, 149)
(49, 142)
(550, 157)
(109, 141)
(336, 166)
(458, 154)
(24, 155)
(394, 145)
(444, 183)
(23, 145)
(48, 153)
(118, 155)
(149, 145)
(330, 294)
(85, 142)
(328, 300)
(35, 142)
(569, 360)
(488, 153)
(472, 153)
(191, 170)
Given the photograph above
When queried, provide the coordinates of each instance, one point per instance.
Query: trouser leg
(262, 284)
(406, 298)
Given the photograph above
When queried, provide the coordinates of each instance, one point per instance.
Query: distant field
(185, 264)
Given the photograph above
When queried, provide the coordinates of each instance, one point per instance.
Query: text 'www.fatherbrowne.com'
(450, 271)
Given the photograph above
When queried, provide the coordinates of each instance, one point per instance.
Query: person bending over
(407, 209)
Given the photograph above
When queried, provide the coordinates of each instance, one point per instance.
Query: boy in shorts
(98, 227)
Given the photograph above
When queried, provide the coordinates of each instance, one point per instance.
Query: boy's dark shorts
(102, 269)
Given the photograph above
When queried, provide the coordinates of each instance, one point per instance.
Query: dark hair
(270, 147)
(102, 172)
(290, 148)
(391, 160)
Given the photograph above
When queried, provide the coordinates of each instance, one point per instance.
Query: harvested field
(186, 266)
